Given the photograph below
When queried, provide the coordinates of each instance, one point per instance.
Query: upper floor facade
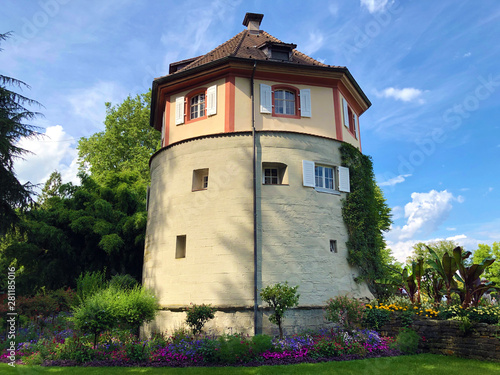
(256, 81)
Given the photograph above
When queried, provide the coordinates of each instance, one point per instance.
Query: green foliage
(480, 314)
(280, 297)
(111, 307)
(366, 216)
(89, 283)
(87, 228)
(346, 311)
(407, 341)
(376, 318)
(135, 306)
(97, 313)
(233, 349)
(469, 276)
(123, 282)
(198, 315)
(13, 127)
(492, 273)
(126, 144)
(421, 250)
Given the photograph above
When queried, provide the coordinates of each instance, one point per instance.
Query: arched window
(197, 106)
(284, 102)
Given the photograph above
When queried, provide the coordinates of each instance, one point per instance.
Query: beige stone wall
(298, 223)
(217, 222)
(295, 226)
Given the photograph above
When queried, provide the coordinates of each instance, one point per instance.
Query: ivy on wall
(366, 215)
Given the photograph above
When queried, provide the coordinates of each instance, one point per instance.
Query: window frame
(200, 179)
(340, 180)
(324, 178)
(295, 91)
(281, 173)
(187, 105)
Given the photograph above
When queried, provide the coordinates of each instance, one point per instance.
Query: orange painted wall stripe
(338, 117)
(229, 93)
(167, 122)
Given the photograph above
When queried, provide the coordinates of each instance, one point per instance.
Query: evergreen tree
(13, 116)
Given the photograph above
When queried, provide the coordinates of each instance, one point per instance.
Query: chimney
(252, 21)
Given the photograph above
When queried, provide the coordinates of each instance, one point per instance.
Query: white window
(284, 102)
(197, 106)
(325, 178)
(200, 179)
(350, 118)
(274, 174)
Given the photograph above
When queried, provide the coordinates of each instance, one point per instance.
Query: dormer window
(279, 54)
(277, 51)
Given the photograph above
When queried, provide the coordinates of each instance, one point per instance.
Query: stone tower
(246, 190)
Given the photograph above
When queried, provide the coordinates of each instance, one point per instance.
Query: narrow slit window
(333, 246)
(180, 247)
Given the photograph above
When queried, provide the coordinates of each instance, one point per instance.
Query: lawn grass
(416, 364)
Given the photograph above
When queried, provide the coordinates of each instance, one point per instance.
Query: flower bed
(66, 347)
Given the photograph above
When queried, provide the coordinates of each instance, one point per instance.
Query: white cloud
(55, 151)
(315, 42)
(451, 229)
(401, 250)
(397, 212)
(424, 214)
(468, 54)
(395, 180)
(375, 6)
(88, 103)
(408, 94)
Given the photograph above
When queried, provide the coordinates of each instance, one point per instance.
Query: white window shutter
(305, 103)
(344, 183)
(346, 112)
(266, 100)
(212, 100)
(179, 110)
(355, 118)
(308, 173)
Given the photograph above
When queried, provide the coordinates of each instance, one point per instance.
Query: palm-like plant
(470, 276)
(446, 269)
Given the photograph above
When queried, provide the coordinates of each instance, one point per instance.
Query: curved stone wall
(295, 225)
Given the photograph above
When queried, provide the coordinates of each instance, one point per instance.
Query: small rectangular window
(200, 179)
(180, 247)
(274, 174)
(333, 246)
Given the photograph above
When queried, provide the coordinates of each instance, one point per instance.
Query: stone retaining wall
(445, 337)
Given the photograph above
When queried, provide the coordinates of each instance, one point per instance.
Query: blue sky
(431, 70)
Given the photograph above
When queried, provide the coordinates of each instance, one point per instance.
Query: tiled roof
(245, 45)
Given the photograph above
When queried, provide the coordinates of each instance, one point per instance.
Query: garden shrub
(125, 281)
(198, 315)
(97, 313)
(233, 349)
(89, 283)
(261, 343)
(407, 341)
(346, 311)
(374, 318)
(280, 297)
(135, 307)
